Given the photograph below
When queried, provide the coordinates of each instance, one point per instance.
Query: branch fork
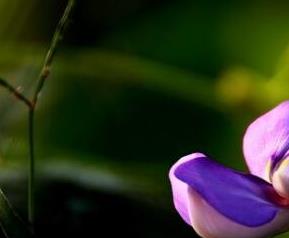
(31, 103)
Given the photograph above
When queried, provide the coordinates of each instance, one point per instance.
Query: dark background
(135, 85)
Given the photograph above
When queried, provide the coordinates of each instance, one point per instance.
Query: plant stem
(31, 104)
(51, 52)
(44, 73)
(15, 92)
(31, 179)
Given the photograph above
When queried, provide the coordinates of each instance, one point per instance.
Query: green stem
(31, 104)
(15, 92)
(52, 50)
(31, 181)
(41, 81)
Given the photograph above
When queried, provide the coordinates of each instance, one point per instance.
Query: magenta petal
(221, 202)
(266, 141)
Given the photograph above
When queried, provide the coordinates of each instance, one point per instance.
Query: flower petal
(266, 141)
(220, 202)
(233, 194)
(179, 188)
(280, 178)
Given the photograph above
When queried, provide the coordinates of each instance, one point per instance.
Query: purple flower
(219, 202)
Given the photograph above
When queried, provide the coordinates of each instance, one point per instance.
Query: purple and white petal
(179, 188)
(209, 223)
(220, 202)
(280, 178)
(266, 141)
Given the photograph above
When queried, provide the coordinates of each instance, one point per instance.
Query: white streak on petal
(180, 188)
(280, 178)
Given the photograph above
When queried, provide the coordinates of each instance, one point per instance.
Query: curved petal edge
(221, 202)
(266, 141)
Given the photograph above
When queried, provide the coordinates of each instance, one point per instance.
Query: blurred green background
(135, 85)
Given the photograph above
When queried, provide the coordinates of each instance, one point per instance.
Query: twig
(31, 104)
(51, 52)
(15, 92)
(41, 80)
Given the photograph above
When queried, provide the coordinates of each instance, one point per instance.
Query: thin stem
(45, 71)
(52, 50)
(15, 92)
(31, 179)
(31, 104)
